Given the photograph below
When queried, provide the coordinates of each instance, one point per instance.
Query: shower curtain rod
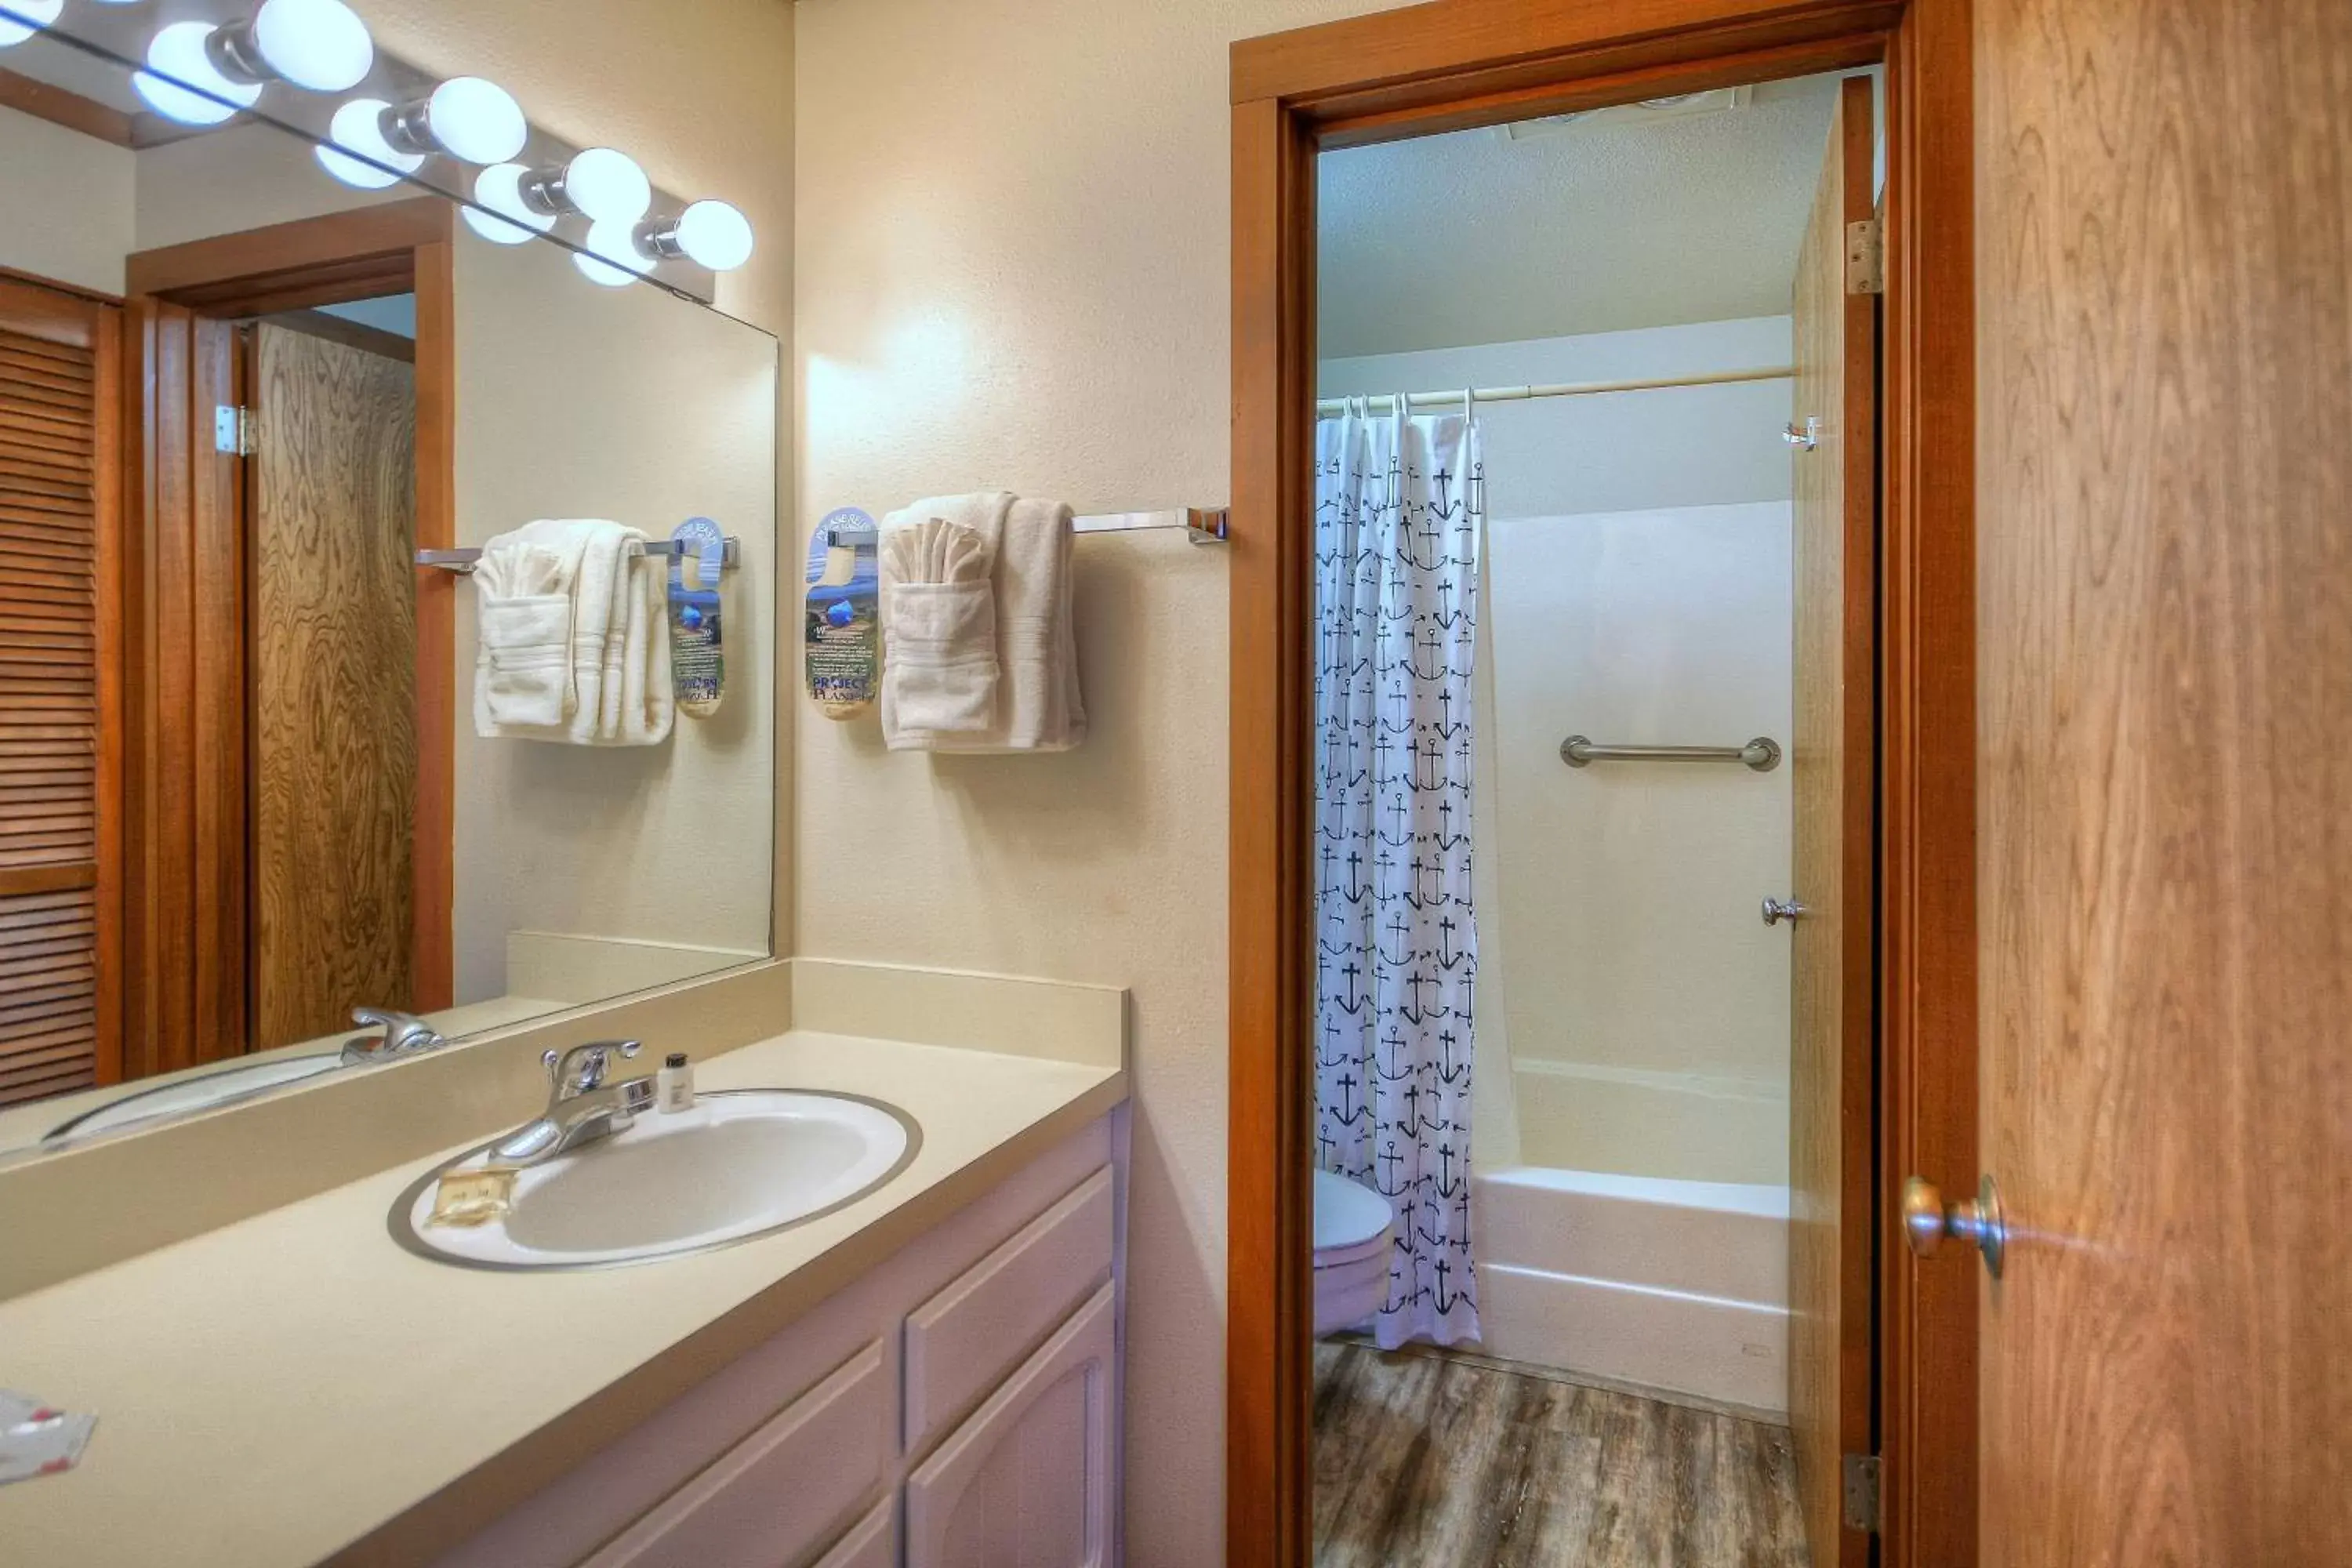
(1331, 408)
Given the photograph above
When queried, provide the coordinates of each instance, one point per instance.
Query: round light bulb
(510, 220)
(320, 45)
(358, 129)
(715, 234)
(613, 258)
(605, 187)
(29, 17)
(182, 83)
(477, 121)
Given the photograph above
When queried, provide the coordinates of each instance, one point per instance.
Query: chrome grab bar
(1762, 753)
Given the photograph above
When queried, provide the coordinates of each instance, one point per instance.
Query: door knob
(1779, 910)
(1927, 1220)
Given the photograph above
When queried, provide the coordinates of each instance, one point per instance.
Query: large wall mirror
(258, 770)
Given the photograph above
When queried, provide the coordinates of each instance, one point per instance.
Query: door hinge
(1866, 257)
(234, 431)
(1862, 1492)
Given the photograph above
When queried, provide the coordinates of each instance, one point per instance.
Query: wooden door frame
(188, 781)
(1455, 64)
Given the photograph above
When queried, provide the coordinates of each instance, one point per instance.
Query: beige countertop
(296, 1385)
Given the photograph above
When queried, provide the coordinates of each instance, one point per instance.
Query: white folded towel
(573, 645)
(1037, 706)
(938, 615)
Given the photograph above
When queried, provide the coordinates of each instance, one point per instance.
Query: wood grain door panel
(2166, 655)
(333, 536)
(1833, 780)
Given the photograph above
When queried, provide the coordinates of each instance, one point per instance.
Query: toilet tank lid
(1347, 1213)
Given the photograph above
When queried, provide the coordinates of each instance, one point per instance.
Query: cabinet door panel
(962, 1341)
(769, 1502)
(1027, 1482)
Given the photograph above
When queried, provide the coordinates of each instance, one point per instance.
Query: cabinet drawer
(772, 1499)
(1028, 1478)
(962, 1341)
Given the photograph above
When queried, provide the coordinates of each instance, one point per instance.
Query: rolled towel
(941, 670)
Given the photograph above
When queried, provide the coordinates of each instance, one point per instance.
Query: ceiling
(1595, 227)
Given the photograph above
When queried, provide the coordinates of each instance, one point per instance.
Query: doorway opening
(289, 716)
(1595, 687)
(1879, 976)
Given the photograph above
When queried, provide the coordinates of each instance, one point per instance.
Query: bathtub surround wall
(1014, 271)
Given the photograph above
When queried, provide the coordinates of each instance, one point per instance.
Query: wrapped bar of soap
(472, 1195)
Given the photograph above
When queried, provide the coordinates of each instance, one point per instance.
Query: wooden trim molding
(1458, 63)
(1928, 1354)
(356, 255)
(59, 106)
(432, 960)
(1450, 51)
(1269, 1240)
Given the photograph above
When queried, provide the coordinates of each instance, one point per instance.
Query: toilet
(1353, 1228)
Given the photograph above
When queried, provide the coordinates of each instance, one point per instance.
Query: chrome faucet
(404, 1035)
(582, 1107)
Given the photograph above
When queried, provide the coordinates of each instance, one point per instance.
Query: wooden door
(333, 539)
(1832, 763)
(58, 743)
(2165, 621)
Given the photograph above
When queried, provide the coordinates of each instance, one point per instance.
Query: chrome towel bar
(463, 561)
(1762, 753)
(1202, 525)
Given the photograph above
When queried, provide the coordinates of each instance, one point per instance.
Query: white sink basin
(741, 1164)
(186, 1096)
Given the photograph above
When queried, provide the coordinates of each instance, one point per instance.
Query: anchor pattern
(1399, 511)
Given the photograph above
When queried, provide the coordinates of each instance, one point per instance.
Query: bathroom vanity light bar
(309, 66)
(1202, 525)
(463, 561)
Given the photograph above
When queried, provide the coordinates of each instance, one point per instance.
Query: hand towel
(941, 667)
(574, 646)
(1038, 706)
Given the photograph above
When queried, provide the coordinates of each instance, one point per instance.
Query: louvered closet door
(57, 412)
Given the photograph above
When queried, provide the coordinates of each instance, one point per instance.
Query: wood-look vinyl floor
(1427, 1462)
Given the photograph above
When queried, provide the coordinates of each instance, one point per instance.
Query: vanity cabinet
(956, 1407)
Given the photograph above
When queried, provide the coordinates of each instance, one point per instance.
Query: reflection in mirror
(268, 810)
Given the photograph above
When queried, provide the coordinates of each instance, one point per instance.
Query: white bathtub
(1681, 1286)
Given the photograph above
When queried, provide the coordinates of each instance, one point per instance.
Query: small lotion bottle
(674, 1085)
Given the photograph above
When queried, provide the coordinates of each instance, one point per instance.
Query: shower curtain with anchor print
(1398, 525)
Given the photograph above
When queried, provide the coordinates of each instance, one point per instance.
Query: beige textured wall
(65, 203)
(1011, 269)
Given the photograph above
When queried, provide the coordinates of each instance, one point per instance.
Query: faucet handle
(593, 1060)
